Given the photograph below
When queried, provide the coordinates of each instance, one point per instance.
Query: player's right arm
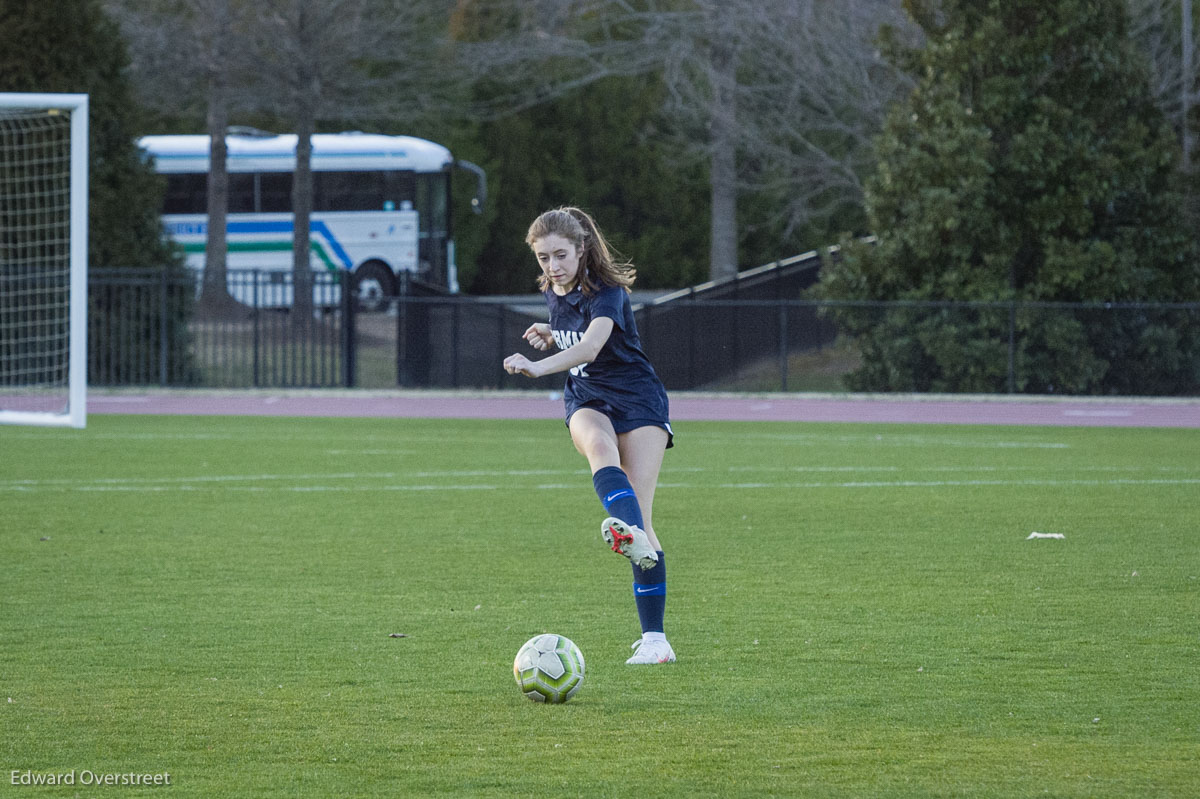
(583, 351)
(539, 336)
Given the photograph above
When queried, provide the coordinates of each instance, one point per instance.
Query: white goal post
(43, 259)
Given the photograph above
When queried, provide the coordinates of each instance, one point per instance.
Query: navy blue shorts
(623, 419)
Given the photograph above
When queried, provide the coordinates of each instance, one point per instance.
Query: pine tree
(1029, 164)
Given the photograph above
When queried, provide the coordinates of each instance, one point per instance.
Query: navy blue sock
(650, 594)
(616, 495)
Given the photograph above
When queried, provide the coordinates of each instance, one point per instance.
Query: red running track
(906, 409)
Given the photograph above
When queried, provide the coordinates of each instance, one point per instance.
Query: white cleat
(650, 652)
(629, 540)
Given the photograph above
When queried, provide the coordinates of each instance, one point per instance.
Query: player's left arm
(583, 351)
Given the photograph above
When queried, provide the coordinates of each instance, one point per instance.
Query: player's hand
(519, 364)
(539, 336)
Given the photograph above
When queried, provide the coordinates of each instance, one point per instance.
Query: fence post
(735, 333)
(349, 330)
(691, 312)
(402, 371)
(162, 328)
(1012, 346)
(783, 345)
(255, 315)
(501, 323)
(455, 323)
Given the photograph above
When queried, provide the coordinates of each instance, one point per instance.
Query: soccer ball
(549, 668)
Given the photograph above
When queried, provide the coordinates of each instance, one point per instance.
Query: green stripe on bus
(269, 246)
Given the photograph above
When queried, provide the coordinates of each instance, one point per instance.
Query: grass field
(856, 608)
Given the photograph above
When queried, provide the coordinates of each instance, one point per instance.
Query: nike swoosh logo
(614, 495)
(640, 590)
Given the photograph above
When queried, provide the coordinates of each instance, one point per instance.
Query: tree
(304, 47)
(189, 56)
(613, 164)
(344, 59)
(775, 98)
(89, 56)
(782, 98)
(1028, 164)
(1165, 30)
(71, 46)
(295, 62)
(565, 111)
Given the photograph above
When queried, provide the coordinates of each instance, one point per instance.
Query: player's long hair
(598, 264)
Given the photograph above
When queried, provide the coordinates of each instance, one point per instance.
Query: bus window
(186, 194)
(398, 187)
(421, 201)
(348, 191)
(275, 192)
(431, 202)
(437, 202)
(241, 193)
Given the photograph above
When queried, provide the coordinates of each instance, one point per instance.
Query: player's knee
(597, 450)
(593, 445)
(602, 451)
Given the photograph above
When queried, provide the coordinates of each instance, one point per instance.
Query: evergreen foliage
(597, 148)
(71, 46)
(1029, 164)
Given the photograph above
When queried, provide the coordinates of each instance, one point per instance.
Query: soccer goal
(43, 259)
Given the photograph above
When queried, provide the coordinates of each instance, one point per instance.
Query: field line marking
(208, 485)
(968, 483)
(902, 439)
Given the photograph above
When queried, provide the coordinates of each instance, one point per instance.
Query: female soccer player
(616, 407)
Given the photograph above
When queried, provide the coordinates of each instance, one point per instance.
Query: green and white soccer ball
(549, 668)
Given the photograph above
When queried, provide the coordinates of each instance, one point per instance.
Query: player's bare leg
(594, 437)
(642, 452)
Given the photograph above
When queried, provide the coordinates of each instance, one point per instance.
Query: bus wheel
(374, 286)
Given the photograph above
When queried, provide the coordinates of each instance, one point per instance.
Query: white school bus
(381, 207)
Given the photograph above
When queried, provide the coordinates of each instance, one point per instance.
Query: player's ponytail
(597, 265)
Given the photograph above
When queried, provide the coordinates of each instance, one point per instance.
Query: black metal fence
(138, 331)
(976, 347)
(753, 334)
(149, 328)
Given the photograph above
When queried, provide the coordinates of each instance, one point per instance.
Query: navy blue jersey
(620, 382)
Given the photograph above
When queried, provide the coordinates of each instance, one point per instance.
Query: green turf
(856, 609)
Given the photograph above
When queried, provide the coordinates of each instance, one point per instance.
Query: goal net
(43, 259)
